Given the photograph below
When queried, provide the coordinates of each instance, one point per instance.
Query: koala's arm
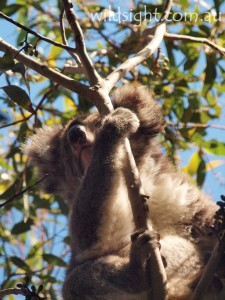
(98, 191)
(111, 272)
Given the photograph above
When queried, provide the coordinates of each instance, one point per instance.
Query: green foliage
(19, 96)
(186, 78)
(6, 63)
(197, 167)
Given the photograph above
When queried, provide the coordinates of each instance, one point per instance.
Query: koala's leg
(113, 277)
(94, 203)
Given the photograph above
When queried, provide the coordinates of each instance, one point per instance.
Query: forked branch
(89, 69)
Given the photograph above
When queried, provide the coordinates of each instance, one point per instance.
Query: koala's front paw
(142, 237)
(122, 121)
(142, 242)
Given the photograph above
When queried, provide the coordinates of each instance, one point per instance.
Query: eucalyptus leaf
(201, 172)
(54, 260)
(20, 263)
(6, 63)
(19, 96)
(11, 9)
(22, 226)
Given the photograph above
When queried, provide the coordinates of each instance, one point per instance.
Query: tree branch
(64, 39)
(39, 36)
(72, 85)
(171, 36)
(148, 34)
(92, 75)
(8, 292)
(96, 94)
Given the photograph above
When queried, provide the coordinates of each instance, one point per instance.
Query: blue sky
(215, 179)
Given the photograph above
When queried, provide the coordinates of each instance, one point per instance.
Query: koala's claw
(143, 237)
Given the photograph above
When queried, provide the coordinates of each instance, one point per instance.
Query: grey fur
(104, 263)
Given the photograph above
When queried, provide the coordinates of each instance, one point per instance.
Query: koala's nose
(77, 134)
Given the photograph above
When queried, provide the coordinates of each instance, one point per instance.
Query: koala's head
(63, 153)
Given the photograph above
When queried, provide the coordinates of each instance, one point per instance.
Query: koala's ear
(38, 144)
(138, 99)
(43, 148)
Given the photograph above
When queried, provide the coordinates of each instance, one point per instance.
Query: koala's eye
(77, 134)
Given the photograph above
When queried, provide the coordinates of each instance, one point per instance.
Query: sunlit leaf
(187, 132)
(214, 147)
(69, 104)
(36, 249)
(194, 163)
(10, 191)
(55, 52)
(26, 205)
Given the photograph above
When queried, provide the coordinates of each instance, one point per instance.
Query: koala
(86, 163)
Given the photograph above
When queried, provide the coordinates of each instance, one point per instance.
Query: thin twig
(195, 125)
(92, 75)
(23, 191)
(171, 36)
(39, 36)
(62, 28)
(16, 122)
(148, 34)
(64, 39)
(142, 55)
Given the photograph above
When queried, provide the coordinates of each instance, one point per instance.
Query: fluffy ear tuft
(43, 147)
(138, 99)
(40, 141)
